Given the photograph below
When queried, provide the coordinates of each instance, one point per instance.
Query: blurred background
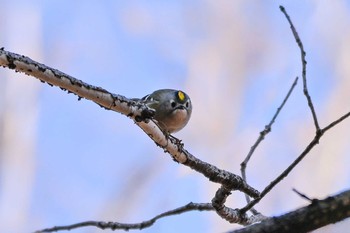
(64, 161)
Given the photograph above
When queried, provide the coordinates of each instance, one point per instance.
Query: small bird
(173, 108)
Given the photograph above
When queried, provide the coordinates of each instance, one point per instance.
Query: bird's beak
(181, 107)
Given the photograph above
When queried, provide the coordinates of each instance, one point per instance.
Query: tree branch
(261, 138)
(228, 180)
(128, 226)
(303, 61)
(311, 145)
(142, 116)
(318, 214)
(334, 123)
(229, 214)
(139, 112)
(315, 140)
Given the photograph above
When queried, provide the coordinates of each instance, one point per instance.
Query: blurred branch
(316, 215)
(125, 226)
(261, 138)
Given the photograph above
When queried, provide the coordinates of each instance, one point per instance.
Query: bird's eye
(173, 104)
(187, 104)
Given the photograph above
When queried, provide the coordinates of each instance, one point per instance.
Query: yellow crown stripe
(181, 95)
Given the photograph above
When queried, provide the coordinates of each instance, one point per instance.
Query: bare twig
(125, 226)
(304, 196)
(315, 140)
(261, 138)
(303, 60)
(334, 123)
(311, 145)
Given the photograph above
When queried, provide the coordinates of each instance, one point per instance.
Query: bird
(173, 108)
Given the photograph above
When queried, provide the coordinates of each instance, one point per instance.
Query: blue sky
(236, 60)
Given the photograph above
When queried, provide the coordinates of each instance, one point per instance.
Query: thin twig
(304, 196)
(336, 122)
(319, 132)
(311, 145)
(261, 138)
(125, 226)
(303, 60)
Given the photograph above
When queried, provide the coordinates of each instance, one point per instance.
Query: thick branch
(228, 180)
(229, 214)
(54, 77)
(318, 214)
(137, 111)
